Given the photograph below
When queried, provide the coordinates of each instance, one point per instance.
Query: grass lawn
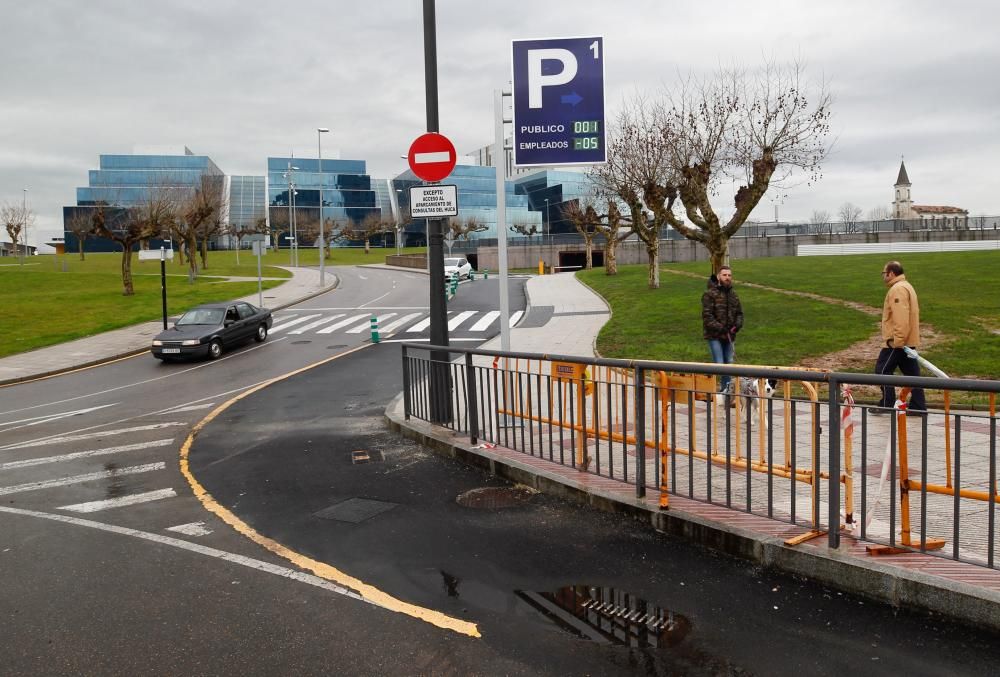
(959, 297)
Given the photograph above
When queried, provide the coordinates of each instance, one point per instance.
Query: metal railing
(663, 427)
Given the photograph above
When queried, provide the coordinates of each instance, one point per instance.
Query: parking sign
(558, 101)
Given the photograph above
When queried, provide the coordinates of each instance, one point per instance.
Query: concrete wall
(632, 251)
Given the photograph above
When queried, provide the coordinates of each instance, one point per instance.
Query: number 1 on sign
(593, 48)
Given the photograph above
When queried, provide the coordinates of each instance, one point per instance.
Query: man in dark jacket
(721, 318)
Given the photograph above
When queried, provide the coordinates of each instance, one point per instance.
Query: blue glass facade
(549, 191)
(127, 180)
(477, 198)
(247, 200)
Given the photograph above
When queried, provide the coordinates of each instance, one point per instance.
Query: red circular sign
(432, 156)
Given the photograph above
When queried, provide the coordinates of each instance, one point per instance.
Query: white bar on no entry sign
(439, 156)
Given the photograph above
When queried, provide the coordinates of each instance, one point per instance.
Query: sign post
(259, 244)
(559, 101)
(162, 255)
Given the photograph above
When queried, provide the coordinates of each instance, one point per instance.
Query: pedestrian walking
(721, 318)
(900, 329)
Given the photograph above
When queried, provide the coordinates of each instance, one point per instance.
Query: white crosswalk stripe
(292, 323)
(121, 501)
(456, 321)
(317, 323)
(107, 451)
(80, 479)
(365, 326)
(487, 320)
(420, 326)
(90, 436)
(515, 317)
(399, 323)
(343, 323)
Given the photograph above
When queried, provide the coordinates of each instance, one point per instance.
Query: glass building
(295, 187)
(247, 200)
(123, 181)
(548, 191)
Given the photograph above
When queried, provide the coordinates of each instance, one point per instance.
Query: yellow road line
(320, 569)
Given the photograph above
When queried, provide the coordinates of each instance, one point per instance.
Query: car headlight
(157, 342)
(190, 342)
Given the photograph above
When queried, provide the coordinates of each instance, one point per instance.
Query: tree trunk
(128, 289)
(590, 253)
(653, 254)
(717, 252)
(366, 245)
(204, 253)
(192, 255)
(80, 243)
(239, 243)
(611, 258)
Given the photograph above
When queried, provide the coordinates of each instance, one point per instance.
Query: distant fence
(894, 247)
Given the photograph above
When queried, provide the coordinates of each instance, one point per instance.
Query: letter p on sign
(537, 80)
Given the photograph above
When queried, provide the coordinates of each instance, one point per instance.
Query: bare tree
(525, 230)
(615, 230)
(879, 213)
(849, 214)
(760, 127)
(585, 219)
(214, 195)
(820, 221)
(16, 220)
(82, 226)
(371, 225)
(128, 226)
(462, 229)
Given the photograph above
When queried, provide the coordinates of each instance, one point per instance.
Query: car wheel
(214, 349)
(261, 333)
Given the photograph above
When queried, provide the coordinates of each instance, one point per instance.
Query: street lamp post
(291, 201)
(399, 222)
(320, 131)
(547, 226)
(24, 219)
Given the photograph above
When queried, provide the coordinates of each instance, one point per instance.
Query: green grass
(665, 323)
(959, 296)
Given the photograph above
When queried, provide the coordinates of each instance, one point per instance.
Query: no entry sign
(431, 157)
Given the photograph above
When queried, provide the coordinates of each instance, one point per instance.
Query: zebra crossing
(398, 321)
(132, 458)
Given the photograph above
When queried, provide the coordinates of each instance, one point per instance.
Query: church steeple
(902, 179)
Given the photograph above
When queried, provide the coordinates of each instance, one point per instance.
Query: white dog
(749, 392)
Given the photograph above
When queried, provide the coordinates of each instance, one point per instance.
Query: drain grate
(355, 510)
(494, 498)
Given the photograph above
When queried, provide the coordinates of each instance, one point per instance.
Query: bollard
(374, 324)
(486, 273)
(541, 267)
(454, 284)
(472, 275)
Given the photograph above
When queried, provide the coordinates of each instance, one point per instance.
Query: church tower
(902, 206)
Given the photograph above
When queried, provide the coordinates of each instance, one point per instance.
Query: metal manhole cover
(494, 498)
(299, 343)
(355, 510)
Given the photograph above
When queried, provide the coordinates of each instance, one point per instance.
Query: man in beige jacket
(900, 329)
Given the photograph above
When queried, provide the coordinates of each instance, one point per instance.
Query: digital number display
(586, 143)
(586, 126)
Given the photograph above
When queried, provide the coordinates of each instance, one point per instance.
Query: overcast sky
(240, 81)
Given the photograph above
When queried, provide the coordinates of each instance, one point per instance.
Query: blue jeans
(722, 353)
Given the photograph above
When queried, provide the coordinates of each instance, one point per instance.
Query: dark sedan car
(206, 330)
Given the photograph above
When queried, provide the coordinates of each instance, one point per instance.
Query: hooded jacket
(720, 310)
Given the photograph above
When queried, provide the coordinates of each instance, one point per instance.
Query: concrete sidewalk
(575, 316)
(126, 341)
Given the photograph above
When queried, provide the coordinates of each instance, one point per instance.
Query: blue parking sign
(558, 101)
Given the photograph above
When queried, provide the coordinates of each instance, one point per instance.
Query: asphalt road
(166, 587)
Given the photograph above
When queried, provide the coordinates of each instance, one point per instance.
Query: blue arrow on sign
(571, 99)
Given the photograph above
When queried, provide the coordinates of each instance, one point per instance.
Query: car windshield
(201, 316)
(452, 262)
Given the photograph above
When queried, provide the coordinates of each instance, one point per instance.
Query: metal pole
(24, 217)
(322, 249)
(501, 167)
(288, 175)
(163, 283)
(440, 382)
(260, 289)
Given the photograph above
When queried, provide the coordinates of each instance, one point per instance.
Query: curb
(903, 588)
(136, 351)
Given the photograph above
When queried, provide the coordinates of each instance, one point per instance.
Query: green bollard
(374, 325)
(486, 273)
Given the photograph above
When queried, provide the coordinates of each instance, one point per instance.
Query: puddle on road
(450, 583)
(116, 483)
(609, 616)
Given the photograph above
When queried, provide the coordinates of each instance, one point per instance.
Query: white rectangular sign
(434, 201)
(154, 254)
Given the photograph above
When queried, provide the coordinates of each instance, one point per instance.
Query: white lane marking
(90, 436)
(191, 529)
(427, 340)
(367, 325)
(398, 323)
(435, 156)
(487, 320)
(79, 479)
(354, 308)
(172, 374)
(343, 323)
(196, 548)
(38, 420)
(107, 451)
(190, 407)
(363, 305)
(419, 326)
(317, 323)
(459, 319)
(362, 277)
(515, 317)
(120, 502)
(292, 323)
